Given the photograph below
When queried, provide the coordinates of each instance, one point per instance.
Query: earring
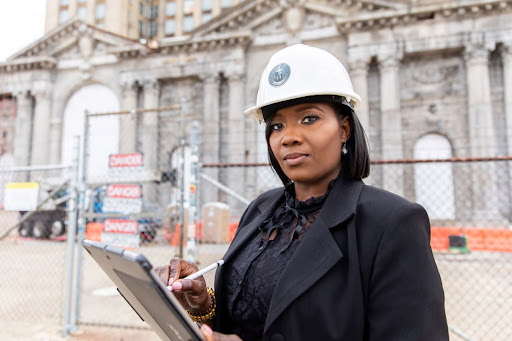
(344, 149)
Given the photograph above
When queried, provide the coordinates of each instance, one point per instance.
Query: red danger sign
(121, 226)
(124, 191)
(125, 160)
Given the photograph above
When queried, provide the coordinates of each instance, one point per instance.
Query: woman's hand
(191, 294)
(210, 335)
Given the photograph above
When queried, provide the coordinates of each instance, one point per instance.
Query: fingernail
(177, 286)
(206, 329)
(170, 281)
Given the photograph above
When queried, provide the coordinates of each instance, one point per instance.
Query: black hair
(355, 163)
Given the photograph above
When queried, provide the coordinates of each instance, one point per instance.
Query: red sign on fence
(121, 226)
(125, 160)
(124, 191)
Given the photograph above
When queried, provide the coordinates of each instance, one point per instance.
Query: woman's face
(306, 140)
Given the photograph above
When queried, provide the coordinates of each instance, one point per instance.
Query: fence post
(193, 202)
(182, 178)
(68, 327)
(82, 187)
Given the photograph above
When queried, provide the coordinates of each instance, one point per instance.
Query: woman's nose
(291, 136)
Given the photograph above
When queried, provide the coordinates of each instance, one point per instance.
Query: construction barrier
(478, 239)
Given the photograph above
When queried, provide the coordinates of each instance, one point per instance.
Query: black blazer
(363, 271)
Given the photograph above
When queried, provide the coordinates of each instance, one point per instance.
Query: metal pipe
(33, 168)
(82, 186)
(225, 189)
(67, 327)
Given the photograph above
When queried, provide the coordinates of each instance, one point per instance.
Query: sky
(21, 23)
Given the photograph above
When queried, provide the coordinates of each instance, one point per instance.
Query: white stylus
(202, 271)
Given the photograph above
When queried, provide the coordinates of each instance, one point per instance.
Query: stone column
(22, 143)
(506, 55)
(359, 76)
(41, 128)
(150, 136)
(481, 131)
(210, 139)
(236, 118)
(236, 179)
(391, 126)
(128, 122)
(56, 141)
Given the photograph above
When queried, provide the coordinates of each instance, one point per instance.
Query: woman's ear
(346, 128)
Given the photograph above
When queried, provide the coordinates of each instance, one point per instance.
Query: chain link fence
(468, 201)
(32, 243)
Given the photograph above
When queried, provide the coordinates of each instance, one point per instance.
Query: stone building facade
(424, 68)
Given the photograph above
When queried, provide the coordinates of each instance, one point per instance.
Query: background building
(436, 82)
(435, 78)
(138, 19)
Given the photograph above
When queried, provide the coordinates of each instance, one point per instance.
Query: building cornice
(390, 18)
(218, 40)
(29, 63)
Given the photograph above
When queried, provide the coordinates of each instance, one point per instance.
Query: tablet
(144, 291)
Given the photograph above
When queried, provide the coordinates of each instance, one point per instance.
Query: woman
(326, 257)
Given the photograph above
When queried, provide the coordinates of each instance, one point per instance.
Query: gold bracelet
(210, 314)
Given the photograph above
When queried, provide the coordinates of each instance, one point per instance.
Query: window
(206, 17)
(63, 15)
(152, 29)
(170, 27)
(170, 9)
(154, 11)
(63, 11)
(439, 201)
(141, 29)
(141, 8)
(100, 11)
(82, 13)
(170, 18)
(207, 5)
(225, 3)
(188, 6)
(188, 23)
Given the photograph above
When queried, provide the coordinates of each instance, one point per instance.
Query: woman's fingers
(163, 273)
(180, 268)
(210, 335)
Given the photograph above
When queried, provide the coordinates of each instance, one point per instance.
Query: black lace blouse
(253, 274)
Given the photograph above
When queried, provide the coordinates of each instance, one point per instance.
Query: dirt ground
(478, 289)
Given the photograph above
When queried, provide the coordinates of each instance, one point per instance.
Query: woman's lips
(294, 158)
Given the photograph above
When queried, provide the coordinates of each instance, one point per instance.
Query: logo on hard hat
(279, 75)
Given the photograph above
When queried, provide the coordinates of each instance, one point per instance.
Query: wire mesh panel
(32, 249)
(468, 202)
(471, 229)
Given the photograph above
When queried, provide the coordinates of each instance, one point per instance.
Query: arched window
(103, 131)
(433, 182)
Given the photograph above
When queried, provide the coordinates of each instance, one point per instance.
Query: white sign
(121, 226)
(21, 196)
(122, 233)
(130, 241)
(124, 191)
(125, 160)
(130, 166)
(123, 199)
(122, 205)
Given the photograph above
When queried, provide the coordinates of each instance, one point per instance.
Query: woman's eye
(310, 119)
(277, 126)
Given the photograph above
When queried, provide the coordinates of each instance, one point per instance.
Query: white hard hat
(299, 71)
